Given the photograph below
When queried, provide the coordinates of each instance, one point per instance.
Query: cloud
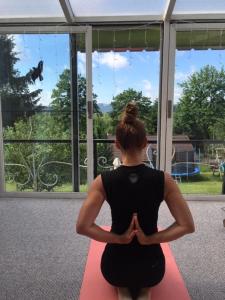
(182, 76)
(81, 63)
(81, 68)
(82, 57)
(151, 92)
(95, 59)
(177, 93)
(147, 89)
(112, 60)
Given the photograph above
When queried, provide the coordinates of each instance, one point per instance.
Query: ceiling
(103, 11)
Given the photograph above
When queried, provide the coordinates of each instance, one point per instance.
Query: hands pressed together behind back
(134, 229)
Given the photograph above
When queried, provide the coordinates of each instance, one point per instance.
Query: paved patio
(42, 258)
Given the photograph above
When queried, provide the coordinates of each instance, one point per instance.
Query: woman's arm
(89, 211)
(179, 209)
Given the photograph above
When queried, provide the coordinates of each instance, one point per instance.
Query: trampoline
(183, 169)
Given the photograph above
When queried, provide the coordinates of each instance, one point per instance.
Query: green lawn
(205, 183)
(212, 188)
(68, 188)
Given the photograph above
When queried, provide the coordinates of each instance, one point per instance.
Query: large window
(125, 68)
(37, 112)
(198, 159)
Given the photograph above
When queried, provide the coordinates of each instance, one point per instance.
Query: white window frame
(166, 90)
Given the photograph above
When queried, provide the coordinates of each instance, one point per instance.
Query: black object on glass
(36, 72)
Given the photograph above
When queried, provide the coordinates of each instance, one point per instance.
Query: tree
(37, 166)
(152, 118)
(61, 102)
(102, 125)
(147, 110)
(17, 100)
(201, 109)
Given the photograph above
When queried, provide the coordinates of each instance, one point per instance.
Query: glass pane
(125, 68)
(117, 7)
(198, 158)
(29, 9)
(199, 6)
(36, 112)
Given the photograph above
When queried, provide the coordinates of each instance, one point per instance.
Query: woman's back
(133, 189)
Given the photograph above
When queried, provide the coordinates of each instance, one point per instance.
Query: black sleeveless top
(133, 189)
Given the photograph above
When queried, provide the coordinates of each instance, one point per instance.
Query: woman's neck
(132, 159)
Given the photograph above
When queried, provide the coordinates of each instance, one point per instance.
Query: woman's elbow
(80, 228)
(190, 228)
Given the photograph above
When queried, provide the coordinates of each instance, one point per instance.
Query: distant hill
(105, 107)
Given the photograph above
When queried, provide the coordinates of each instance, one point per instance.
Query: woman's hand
(134, 229)
(143, 239)
(128, 235)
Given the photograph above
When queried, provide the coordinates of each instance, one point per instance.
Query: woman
(133, 259)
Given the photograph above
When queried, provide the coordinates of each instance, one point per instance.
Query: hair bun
(130, 113)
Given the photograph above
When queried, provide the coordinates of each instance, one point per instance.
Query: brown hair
(130, 132)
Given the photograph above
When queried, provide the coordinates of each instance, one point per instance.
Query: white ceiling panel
(10, 9)
(100, 8)
(108, 10)
(199, 7)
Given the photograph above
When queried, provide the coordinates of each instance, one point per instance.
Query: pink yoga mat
(95, 287)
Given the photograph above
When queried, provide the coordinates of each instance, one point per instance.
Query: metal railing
(101, 162)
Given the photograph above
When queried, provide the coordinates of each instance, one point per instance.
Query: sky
(113, 72)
